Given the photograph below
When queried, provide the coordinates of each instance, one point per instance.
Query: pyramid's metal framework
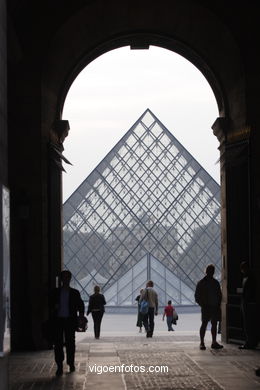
(148, 210)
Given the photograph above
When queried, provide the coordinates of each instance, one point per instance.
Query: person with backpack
(149, 296)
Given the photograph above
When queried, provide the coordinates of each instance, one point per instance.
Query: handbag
(144, 305)
(82, 324)
(175, 317)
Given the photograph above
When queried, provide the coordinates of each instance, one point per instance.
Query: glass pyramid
(166, 283)
(148, 211)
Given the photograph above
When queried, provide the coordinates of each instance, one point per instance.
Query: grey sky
(113, 91)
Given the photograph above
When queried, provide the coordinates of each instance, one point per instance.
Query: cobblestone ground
(182, 373)
(188, 367)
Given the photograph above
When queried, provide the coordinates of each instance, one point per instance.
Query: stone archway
(201, 45)
(195, 32)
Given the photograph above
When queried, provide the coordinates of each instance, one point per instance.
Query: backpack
(144, 305)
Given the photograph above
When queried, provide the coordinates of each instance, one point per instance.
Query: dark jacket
(208, 292)
(96, 303)
(76, 305)
(249, 289)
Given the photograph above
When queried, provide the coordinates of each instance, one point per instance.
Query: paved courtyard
(126, 359)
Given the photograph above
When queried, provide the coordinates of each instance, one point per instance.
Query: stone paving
(183, 372)
(188, 367)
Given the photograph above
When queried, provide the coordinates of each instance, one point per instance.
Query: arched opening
(144, 41)
(219, 76)
(201, 35)
(119, 86)
(196, 100)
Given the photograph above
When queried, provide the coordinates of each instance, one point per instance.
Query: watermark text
(124, 368)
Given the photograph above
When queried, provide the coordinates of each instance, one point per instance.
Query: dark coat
(249, 289)
(205, 289)
(96, 302)
(76, 304)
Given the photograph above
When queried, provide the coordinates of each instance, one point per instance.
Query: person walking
(168, 312)
(139, 322)
(65, 307)
(208, 295)
(249, 307)
(150, 295)
(96, 308)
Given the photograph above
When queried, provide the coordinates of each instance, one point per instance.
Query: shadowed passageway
(130, 351)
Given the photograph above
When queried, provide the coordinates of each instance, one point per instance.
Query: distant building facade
(147, 211)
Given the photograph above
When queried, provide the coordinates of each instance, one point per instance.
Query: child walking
(168, 312)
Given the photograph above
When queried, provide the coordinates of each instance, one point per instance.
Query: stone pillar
(235, 220)
(4, 356)
(36, 227)
(58, 134)
(255, 206)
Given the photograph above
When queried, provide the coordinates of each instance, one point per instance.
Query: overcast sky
(113, 91)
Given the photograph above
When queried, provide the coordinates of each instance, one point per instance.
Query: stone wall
(3, 162)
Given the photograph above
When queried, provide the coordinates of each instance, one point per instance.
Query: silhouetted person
(151, 296)
(208, 295)
(168, 312)
(97, 309)
(249, 307)
(139, 321)
(65, 306)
